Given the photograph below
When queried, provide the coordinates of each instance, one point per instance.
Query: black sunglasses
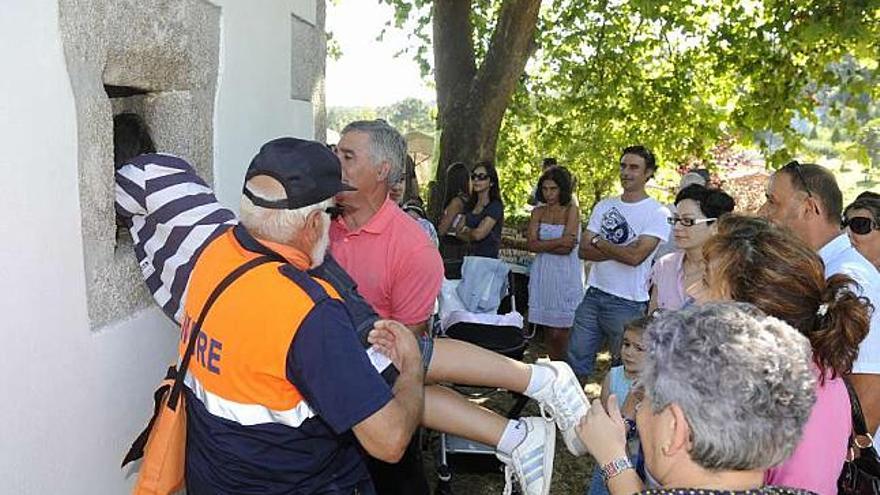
(860, 225)
(479, 176)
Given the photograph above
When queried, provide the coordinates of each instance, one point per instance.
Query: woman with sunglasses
(677, 277)
(484, 215)
(862, 221)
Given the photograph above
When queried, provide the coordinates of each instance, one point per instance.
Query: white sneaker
(566, 402)
(531, 462)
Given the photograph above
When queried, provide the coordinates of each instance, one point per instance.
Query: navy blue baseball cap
(308, 170)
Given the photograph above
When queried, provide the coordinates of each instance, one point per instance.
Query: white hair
(282, 226)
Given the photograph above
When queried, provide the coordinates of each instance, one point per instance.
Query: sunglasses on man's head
(796, 167)
(688, 222)
(860, 225)
(479, 176)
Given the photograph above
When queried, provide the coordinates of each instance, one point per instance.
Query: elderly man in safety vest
(280, 393)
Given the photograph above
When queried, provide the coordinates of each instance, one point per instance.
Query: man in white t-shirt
(620, 240)
(806, 199)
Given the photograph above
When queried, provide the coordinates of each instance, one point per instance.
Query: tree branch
(505, 60)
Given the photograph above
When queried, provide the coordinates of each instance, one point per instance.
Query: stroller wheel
(443, 488)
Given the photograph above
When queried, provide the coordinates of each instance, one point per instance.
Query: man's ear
(813, 205)
(313, 224)
(681, 431)
(383, 172)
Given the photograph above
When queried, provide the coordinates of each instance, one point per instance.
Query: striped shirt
(172, 215)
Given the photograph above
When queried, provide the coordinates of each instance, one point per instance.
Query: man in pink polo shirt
(398, 271)
(397, 267)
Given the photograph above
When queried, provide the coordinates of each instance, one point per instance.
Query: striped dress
(556, 283)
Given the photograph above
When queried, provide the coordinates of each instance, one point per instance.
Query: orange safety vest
(239, 367)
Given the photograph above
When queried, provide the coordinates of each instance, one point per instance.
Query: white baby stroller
(485, 328)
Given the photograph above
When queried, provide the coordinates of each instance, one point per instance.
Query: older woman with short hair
(727, 391)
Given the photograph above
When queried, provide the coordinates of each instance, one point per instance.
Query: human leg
(557, 342)
(525, 446)
(552, 384)
(585, 336)
(449, 412)
(456, 361)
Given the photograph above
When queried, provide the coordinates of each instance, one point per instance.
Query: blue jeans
(598, 317)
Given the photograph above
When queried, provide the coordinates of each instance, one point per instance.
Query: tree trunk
(471, 101)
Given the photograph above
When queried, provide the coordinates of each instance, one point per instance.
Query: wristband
(615, 467)
(595, 240)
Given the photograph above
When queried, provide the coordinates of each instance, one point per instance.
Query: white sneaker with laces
(566, 402)
(531, 462)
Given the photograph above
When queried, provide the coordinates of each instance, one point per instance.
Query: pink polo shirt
(818, 458)
(396, 266)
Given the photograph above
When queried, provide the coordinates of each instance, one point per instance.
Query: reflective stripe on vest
(247, 414)
(239, 367)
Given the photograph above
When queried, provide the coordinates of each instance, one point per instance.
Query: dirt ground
(571, 475)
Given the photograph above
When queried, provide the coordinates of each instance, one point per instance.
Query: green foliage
(410, 114)
(678, 77)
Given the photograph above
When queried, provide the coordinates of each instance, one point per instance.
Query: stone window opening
(161, 64)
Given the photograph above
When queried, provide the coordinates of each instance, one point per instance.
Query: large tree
(480, 50)
(678, 76)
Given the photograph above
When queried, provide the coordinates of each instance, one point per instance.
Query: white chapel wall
(76, 393)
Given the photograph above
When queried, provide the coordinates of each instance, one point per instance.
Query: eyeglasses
(794, 165)
(479, 176)
(860, 225)
(688, 222)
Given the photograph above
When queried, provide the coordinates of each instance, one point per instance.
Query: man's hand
(603, 433)
(398, 343)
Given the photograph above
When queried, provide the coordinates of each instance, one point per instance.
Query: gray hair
(743, 379)
(386, 145)
(281, 226)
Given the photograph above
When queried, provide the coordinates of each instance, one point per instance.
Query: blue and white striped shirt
(172, 215)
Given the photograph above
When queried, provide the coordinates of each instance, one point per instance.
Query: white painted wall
(253, 94)
(72, 399)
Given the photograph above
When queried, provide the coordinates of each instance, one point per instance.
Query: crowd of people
(731, 353)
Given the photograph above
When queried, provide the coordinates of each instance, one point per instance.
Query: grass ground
(570, 474)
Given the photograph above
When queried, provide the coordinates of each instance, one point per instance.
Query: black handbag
(861, 471)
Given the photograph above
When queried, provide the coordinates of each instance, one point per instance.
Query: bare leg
(557, 342)
(449, 412)
(455, 361)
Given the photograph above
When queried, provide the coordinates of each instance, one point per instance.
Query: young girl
(619, 381)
